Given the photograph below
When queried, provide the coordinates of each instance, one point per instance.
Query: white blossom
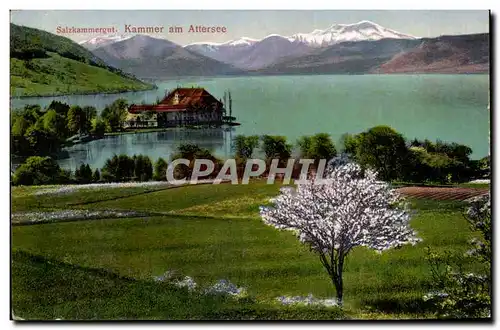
(167, 276)
(309, 300)
(68, 215)
(348, 208)
(186, 282)
(66, 189)
(433, 295)
(226, 287)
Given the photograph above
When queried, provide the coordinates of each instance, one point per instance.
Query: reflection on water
(154, 145)
(452, 108)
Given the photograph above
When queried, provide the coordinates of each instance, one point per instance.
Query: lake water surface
(448, 107)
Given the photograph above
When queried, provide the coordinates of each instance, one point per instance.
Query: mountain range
(148, 57)
(253, 54)
(359, 48)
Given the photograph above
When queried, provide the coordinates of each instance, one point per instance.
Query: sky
(253, 24)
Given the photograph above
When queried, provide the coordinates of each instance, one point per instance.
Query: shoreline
(249, 74)
(84, 94)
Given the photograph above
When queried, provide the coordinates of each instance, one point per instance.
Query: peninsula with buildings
(182, 107)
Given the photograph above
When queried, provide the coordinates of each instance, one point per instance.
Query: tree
(83, 174)
(484, 167)
(115, 114)
(319, 146)
(41, 141)
(459, 293)
(148, 169)
(190, 152)
(96, 177)
(19, 144)
(21, 121)
(349, 208)
(31, 113)
(37, 171)
(59, 107)
(19, 126)
(160, 173)
(90, 112)
(243, 146)
(384, 150)
(78, 120)
(143, 169)
(275, 147)
(350, 144)
(55, 124)
(118, 168)
(99, 127)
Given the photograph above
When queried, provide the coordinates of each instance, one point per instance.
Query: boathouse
(181, 107)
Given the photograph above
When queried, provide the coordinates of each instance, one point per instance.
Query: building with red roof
(182, 106)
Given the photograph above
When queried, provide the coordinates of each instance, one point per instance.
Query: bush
(384, 150)
(243, 146)
(38, 171)
(160, 170)
(99, 127)
(276, 147)
(190, 152)
(118, 168)
(350, 144)
(440, 162)
(40, 141)
(143, 169)
(115, 114)
(96, 177)
(83, 174)
(459, 293)
(319, 146)
(79, 120)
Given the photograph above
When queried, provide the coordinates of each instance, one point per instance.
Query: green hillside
(45, 64)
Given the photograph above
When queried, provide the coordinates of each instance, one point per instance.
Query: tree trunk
(339, 283)
(340, 290)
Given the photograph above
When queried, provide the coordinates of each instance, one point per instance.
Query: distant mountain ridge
(145, 56)
(355, 57)
(447, 54)
(258, 54)
(100, 41)
(359, 48)
(337, 33)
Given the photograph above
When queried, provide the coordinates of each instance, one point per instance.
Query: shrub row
(380, 148)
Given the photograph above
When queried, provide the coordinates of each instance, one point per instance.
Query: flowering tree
(460, 293)
(347, 208)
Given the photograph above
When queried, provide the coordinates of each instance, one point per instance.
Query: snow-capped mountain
(100, 41)
(337, 33)
(248, 53)
(148, 57)
(255, 54)
(210, 47)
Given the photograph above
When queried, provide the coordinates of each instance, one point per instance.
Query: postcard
(250, 165)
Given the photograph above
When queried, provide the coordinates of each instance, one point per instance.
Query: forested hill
(43, 63)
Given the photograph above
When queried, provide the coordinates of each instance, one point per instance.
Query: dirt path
(442, 193)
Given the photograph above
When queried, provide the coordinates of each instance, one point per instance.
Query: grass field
(209, 233)
(57, 75)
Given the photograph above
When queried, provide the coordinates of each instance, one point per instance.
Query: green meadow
(104, 268)
(57, 75)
